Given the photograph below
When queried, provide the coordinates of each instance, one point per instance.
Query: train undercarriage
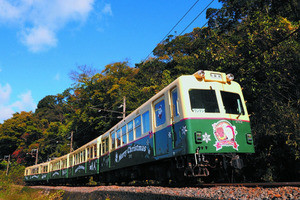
(187, 169)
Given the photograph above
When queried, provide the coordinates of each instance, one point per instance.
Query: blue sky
(42, 41)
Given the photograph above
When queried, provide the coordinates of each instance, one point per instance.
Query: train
(197, 127)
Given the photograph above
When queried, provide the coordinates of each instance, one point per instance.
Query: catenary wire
(173, 27)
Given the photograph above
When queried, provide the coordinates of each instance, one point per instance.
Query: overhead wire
(85, 127)
(196, 18)
(179, 22)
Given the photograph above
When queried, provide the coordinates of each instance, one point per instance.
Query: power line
(173, 27)
(179, 21)
(196, 17)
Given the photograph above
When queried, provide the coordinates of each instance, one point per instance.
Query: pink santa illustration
(225, 135)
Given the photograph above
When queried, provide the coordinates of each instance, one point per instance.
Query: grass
(12, 187)
(18, 192)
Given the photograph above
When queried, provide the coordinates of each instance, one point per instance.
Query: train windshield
(204, 101)
(232, 103)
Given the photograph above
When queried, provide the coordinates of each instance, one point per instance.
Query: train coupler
(197, 167)
(237, 162)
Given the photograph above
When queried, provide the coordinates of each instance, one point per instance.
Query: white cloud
(25, 103)
(57, 77)
(40, 20)
(7, 109)
(5, 92)
(8, 11)
(107, 10)
(6, 113)
(39, 38)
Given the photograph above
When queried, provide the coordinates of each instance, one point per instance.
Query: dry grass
(10, 191)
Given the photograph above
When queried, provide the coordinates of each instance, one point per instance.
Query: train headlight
(198, 137)
(200, 74)
(249, 138)
(229, 77)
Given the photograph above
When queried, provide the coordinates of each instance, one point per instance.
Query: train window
(146, 122)
(137, 125)
(95, 151)
(83, 156)
(105, 145)
(203, 101)
(71, 161)
(130, 131)
(113, 141)
(232, 103)
(118, 132)
(175, 102)
(64, 164)
(124, 136)
(100, 149)
(160, 113)
(88, 153)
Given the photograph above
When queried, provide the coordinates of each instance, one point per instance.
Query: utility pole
(71, 144)
(124, 107)
(8, 161)
(36, 155)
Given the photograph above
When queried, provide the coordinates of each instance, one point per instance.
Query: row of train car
(194, 127)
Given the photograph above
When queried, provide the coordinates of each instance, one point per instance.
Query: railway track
(282, 190)
(278, 184)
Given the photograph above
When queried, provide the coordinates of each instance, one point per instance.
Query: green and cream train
(197, 126)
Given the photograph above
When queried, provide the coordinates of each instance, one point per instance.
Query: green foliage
(256, 40)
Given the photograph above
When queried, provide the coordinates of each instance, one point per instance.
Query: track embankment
(175, 193)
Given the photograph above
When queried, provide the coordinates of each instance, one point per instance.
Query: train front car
(215, 124)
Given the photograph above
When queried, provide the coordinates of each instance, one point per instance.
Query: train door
(175, 119)
(162, 143)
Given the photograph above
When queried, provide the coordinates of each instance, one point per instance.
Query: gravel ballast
(157, 192)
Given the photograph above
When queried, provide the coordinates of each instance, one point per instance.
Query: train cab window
(175, 102)
(118, 132)
(203, 101)
(113, 140)
(124, 136)
(146, 122)
(130, 131)
(137, 125)
(232, 103)
(160, 114)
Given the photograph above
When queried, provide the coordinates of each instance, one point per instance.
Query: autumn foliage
(256, 40)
